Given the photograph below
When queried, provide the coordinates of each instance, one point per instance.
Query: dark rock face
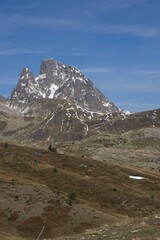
(61, 81)
(25, 88)
(3, 99)
(60, 104)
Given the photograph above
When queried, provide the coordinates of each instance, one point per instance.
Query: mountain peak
(25, 69)
(47, 65)
(60, 81)
(25, 73)
(61, 104)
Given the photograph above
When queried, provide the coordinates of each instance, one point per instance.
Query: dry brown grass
(105, 189)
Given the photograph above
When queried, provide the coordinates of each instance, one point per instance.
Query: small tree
(52, 148)
(55, 170)
(83, 168)
(6, 145)
(71, 198)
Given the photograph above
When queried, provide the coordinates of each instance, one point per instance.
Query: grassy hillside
(68, 195)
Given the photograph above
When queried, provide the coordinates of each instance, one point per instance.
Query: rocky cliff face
(60, 104)
(60, 81)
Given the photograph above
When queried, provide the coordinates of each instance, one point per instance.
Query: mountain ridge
(60, 81)
(61, 104)
(104, 172)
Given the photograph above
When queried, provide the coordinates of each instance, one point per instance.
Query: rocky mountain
(56, 105)
(61, 104)
(2, 99)
(120, 152)
(60, 81)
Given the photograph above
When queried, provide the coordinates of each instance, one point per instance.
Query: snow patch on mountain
(40, 77)
(52, 90)
(90, 112)
(136, 177)
(61, 82)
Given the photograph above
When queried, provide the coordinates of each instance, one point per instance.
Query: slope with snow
(60, 104)
(61, 81)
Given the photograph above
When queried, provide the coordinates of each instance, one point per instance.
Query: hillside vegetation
(69, 195)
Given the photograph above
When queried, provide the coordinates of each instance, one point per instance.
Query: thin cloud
(115, 4)
(132, 86)
(4, 82)
(12, 52)
(97, 70)
(19, 20)
(135, 30)
(88, 9)
(139, 104)
(152, 73)
(133, 106)
(16, 51)
(12, 22)
(124, 71)
(24, 6)
(125, 79)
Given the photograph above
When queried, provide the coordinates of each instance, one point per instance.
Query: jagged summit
(60, 81)
(61, 104)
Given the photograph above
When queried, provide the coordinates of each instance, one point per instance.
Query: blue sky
(116, 43)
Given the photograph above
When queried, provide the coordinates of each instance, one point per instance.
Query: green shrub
(55, 170)
(114, 189)
(6, 145)
(71, 198)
